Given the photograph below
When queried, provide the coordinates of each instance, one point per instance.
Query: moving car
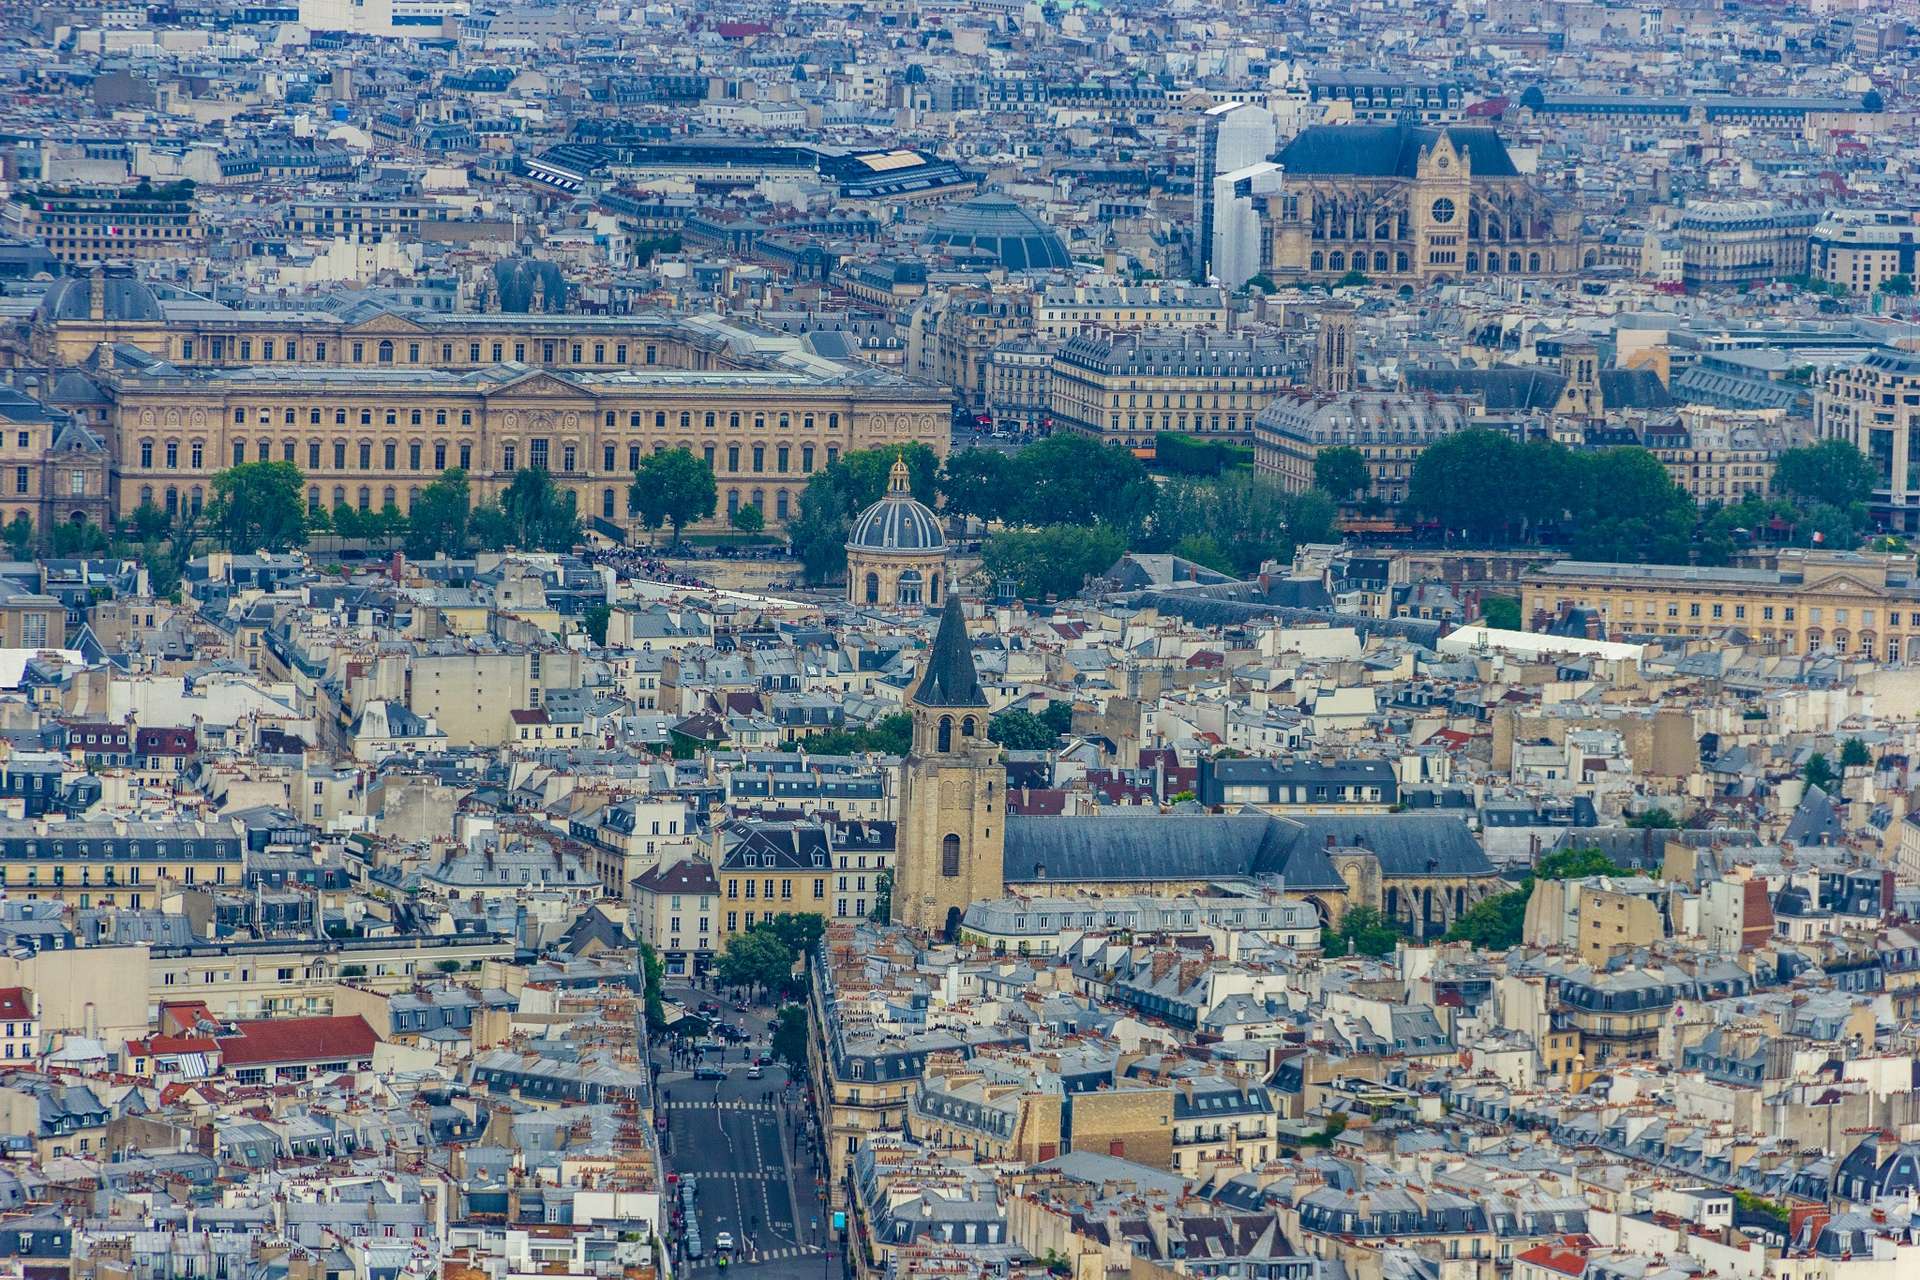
(709, 1073)
(754, 1072)
(723, 1241)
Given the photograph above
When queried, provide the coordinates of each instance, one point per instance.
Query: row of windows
(552, 351)
(539, 455)
(765, 888)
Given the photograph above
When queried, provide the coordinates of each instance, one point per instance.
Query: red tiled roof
(14, 1004)
(1568, 1256)
(279, 1040)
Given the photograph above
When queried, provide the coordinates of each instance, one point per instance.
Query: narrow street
(738, 1140)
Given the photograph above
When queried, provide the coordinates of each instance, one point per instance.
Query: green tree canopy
(799, 931)
(1501, 612)
(756, 958)
(1832, 473)
(594, 622)
(1819, 772)
(1070, 478)
(19, 535)
(1019, 730)
(980, 483)
(1854, 754)
(540, 515)
(438, 523)
(1341, 472)
(489, 526)
(790, 1039)
(1362, 931)
(673, 486)
(65, 538)
(889, 735)
(1654, 819)
(257, 506)
(748, 519)
(1631, 510)
(1054, 560)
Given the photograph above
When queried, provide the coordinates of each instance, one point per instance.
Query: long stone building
(374, 404)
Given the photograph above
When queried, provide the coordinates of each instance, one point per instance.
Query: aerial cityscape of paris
(935, 640)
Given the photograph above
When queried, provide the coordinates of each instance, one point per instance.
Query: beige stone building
(1854, 603)
(1863, 249)
(95, 224)
(951, 336)
(375, 405)
(1875, 404)
(1127, 388)
(1720, 455)
(1064, 310)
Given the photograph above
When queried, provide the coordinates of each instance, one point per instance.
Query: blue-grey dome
(122, 297)
(898, 522)
(997, 227)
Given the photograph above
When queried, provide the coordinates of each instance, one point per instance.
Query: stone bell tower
(952, 832)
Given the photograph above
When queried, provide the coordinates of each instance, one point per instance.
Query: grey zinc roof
(1232, 846)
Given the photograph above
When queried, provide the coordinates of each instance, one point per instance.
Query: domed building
(896, 554)
(994, 226)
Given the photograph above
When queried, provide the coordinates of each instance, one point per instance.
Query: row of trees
(893, 735)
(1617, 503)
(763, 958)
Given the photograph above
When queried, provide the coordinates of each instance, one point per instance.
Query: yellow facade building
(1848, 602)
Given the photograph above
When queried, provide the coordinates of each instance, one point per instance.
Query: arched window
(950, 857)
(906, 589)
(933, 589)
(944, 739)
(1533, 262)
(967, 727)
(873, 588)
(1317, 262)
(386, 353)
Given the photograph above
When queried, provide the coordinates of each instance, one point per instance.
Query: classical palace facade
(373, 406)
(1411, 204)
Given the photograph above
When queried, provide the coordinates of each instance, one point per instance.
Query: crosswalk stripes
(731, 1105)
(738, 1175)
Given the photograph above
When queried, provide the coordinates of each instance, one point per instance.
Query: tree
(889, 735)
(1900, 286)
(1071, 478)
(1630, 509)
(653, 980)
(1058, 717)
(1854, 754)
(676, 487)
(441, 513)
(1354, 277)
(19, 535)
(790, 1039)
(594, 622)
(1018, 730)
(348, 521)
(257, 506)
(148, 522)
(1202, 549)
(799, 931)
(86, 538)
(1052, 561)
(1832, 472)
(883, 898)
(1341, 472)
(1263, 283)
(1497, 923)
(1362, 931)
(1501, 612)
(540, 515)
(1576, 864)
(490, 528)
(756, 958)
(1464, 483)
(1819, 773)
(747, 519)
(1654, 819)
(979, 483)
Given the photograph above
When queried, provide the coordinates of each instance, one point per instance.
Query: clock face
(1443, 210)
(1441, 162)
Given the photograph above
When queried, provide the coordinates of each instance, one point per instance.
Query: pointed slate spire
(951, 680)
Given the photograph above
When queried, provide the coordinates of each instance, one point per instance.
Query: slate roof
(1389, 150)
(951, 679)
(1510, 388)
(1184, 846)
